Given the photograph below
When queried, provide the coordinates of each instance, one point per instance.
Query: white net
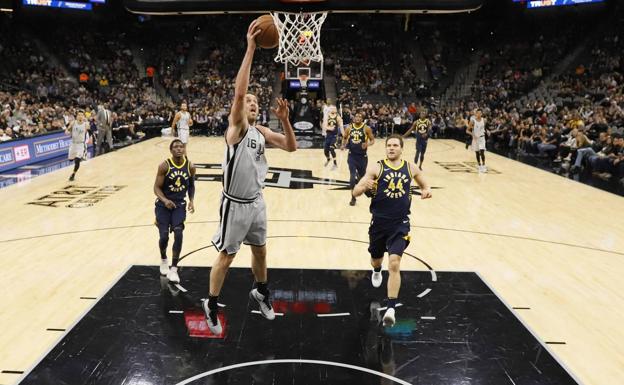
(299, 36)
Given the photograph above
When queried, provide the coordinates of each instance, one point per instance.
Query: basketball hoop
(299, 36)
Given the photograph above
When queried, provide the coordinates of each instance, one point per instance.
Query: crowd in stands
(572, 118)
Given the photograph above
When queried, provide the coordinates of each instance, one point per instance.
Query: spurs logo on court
(278, 177)
(285, 178)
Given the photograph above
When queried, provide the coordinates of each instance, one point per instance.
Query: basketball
(269, 37)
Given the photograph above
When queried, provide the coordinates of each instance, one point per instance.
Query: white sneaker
(173, 276)
(388, 319)
(484, 168)
(212, 319)
(326, 163)
(376, 278)
(265, 304)
(164, 267)
(334, 167)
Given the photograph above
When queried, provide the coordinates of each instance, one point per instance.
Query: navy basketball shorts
(421, 146)
(388, 235)
(330, 142)
(167, 219)
(357, 168)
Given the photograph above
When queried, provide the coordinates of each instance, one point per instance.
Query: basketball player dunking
(243, 211)
(476, 128)
(181, 124)
(389, 182)
(78, 129)
(332, 125)
(175, 179)
(358, 136)
(423, 131)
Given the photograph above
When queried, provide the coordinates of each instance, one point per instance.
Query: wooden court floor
(549, 246)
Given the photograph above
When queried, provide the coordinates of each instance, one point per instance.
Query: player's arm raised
(285, 141)
(370, 137)
(238, 119)
(191, 189)
(368, 181)
(419, 177)
(159, 183)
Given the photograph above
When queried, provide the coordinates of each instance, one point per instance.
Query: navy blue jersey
(393, 198)
(177, 180)
(332, 124)
(357, 136)
(422, 129)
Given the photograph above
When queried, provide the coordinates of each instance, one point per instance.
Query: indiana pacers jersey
(245, 167)
(177, 180)
(393, 198)
(357, 136)
(422, 128)
(331, 126)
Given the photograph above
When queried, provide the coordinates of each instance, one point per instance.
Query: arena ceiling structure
(165, 7)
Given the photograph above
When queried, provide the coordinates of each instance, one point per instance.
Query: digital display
(59, 4)
(312, 84)
(556, 3)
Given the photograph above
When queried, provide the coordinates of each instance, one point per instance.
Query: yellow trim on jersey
(356, 127)
(392, 167)
(380, 170)
(409, 170)
(175, 165)
(407, 238)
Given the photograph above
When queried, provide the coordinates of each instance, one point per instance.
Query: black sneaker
(266, 309)
(352, 203)
(71, 177)
(212, 318)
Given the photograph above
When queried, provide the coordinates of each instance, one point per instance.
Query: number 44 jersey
(392, 198)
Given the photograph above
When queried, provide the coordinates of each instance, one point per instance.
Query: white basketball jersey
(183, 122)
(79, 132)
(479, 127)
(245, 167)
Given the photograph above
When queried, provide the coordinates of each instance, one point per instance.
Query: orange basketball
(269, 37)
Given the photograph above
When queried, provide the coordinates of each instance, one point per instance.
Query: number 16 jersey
(245, 167)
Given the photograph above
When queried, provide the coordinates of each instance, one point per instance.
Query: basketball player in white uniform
(243, 211)
(476, 129)
(181, 124)
(78, 129)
